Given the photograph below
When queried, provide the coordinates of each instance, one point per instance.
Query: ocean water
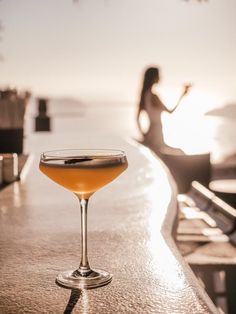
(101, 118)
(214, 132)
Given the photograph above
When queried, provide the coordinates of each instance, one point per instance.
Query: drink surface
(83, 175)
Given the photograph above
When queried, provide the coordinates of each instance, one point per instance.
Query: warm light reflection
(159, 197)
(84, 302)
(164, 264)
(159, 191)
(16, 195)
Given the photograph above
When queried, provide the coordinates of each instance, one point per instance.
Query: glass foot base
(96, 278)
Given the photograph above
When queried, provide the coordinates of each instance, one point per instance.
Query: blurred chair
(187, 168)
(207, 240)
(225, 189)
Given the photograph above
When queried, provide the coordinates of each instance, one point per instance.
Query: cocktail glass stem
(84, 269)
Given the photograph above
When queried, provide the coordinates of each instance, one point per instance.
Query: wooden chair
(208, 243)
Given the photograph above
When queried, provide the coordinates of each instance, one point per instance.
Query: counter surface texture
(130, 223)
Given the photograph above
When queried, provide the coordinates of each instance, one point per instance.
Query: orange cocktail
(84, 175)
(83, 172)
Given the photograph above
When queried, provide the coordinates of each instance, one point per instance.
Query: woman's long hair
(151, 76)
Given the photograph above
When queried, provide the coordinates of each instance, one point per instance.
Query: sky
(98, 49)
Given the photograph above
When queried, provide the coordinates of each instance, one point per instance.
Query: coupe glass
(83, 172)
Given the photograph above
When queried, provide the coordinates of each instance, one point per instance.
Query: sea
(213, 131)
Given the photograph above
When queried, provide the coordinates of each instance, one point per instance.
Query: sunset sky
(97, 49)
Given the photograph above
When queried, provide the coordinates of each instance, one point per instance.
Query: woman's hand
(186, 88)
(184, 93)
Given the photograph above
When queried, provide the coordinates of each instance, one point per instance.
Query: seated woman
(153, 106)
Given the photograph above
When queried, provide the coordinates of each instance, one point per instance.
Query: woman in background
(154, 107)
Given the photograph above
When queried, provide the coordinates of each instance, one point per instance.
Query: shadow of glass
(74, 297)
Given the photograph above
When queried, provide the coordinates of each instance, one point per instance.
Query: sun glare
(188, 128)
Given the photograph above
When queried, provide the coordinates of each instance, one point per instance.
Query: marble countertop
(130, 227)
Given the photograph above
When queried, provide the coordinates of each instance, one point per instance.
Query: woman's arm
(184, 93)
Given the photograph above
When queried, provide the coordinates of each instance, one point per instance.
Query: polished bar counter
(130, 234)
